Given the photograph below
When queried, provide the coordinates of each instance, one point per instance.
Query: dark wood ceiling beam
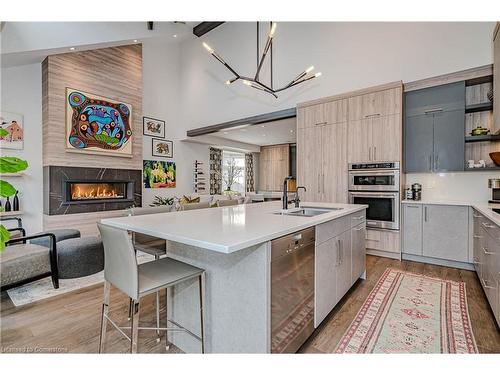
(204, 27)
(253, 120)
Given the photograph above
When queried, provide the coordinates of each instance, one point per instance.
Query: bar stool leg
(167, 345)
(158, 339)
(202, 310)
(104, 321)
(129, 308)
(135, 327)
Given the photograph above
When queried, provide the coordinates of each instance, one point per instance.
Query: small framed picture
(153, 127)
(162, 148)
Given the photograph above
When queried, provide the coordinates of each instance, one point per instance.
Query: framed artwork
(11, 131)
(158, 174)
(97, 125)
(162, 148)
(153, 127)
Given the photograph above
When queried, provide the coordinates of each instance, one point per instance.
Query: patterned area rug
(410, 313)
(42, 289)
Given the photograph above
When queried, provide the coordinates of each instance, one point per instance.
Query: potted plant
(8, 164)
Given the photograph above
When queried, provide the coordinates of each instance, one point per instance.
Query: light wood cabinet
(383, 240)
(331, 112)
(326, 255)
(376, 104)
(322, 162)
(274, 166)
(375, 139)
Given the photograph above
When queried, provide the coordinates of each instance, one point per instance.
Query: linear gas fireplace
(83, 192)
(77, 190)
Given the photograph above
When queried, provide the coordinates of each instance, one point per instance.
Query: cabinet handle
(375, 153)
(358, 217)
(433, 110)
(323, 184)
(337, 263)
(412, 206)
(373, 115)
(370, 153)
(486, 252)
(476, 216)
(486, 286)
(436, 162)
(341, 247)
(318, 184)
(425, 213)
(358, 229)
(321, 123)
(476, 236)
(430, 162)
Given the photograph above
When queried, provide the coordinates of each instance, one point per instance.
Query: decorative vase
(15, 202)
(8, 207)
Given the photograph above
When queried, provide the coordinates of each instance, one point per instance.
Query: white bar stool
(136, 281)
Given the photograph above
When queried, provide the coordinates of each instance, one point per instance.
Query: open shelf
(482, 138)
(487, 106)
(19, 174)
(487, 169)
(10, 213)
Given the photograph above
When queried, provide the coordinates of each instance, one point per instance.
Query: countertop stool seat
(136, 281)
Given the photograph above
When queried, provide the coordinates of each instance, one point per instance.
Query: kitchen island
(233, 245)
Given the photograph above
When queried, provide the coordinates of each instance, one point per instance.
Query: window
(233, 171)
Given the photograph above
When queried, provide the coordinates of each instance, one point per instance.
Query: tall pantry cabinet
(361, 126)
(322, 151)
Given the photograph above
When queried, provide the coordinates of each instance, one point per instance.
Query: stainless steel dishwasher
(292, 290)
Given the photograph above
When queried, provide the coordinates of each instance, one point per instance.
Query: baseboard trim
(384, 254)
(439, 262)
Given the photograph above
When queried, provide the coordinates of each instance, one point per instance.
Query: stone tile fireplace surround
(73, 190)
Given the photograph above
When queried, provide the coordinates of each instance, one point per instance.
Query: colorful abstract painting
(96, 124)
(11, 131)
(158, 174)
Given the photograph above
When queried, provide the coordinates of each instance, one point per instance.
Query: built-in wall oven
(376, 185)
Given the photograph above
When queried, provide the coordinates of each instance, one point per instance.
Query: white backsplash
(462, 186)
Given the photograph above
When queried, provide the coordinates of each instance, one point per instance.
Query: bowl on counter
(495, 156)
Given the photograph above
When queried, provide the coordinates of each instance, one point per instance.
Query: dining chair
(136, 281)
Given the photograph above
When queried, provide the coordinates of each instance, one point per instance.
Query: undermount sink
(307, 211)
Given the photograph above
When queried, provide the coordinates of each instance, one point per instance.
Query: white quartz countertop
(228, 229)
(484, 208)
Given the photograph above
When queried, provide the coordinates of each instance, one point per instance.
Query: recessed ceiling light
(175, 35)
(263, 135)
(263, 126)
(135, 40)
(291, 130)
(71, 48)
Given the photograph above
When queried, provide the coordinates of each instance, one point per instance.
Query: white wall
(161, 86)
(462, 186)
(21, 92)
(350, 56)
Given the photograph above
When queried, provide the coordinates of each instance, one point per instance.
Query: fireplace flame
(88, 191)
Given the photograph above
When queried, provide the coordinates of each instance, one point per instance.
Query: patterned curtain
(215, 171)
(249, 179)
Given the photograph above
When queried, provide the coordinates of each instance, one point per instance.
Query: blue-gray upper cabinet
(435, 129)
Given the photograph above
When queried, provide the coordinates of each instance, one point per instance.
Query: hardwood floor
(71, 322)
(328, 334)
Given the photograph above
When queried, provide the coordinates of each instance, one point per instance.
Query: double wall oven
(376, 185)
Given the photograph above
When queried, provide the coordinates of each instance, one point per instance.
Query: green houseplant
(8, 164)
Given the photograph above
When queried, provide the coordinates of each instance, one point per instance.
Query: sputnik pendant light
(255, 82)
